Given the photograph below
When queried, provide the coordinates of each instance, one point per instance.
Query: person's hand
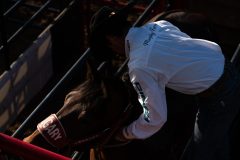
(119, 136)
(118, 139)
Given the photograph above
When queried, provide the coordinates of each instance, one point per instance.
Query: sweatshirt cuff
(127, 134)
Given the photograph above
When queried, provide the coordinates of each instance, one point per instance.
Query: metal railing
(31, 119)
(27, 151)
(8, 39)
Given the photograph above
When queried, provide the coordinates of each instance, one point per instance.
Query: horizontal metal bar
(12, 8)
(4, 47)
(27, 122)
(29, 21)
(26, 150)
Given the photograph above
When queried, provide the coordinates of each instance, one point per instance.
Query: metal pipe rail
(4, 47)
(21, 29)
(31, 119)
(12, 8)
(27, 151)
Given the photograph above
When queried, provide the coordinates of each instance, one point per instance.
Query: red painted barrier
(26, 150)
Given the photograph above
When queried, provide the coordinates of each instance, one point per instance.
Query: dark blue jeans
(215, 117)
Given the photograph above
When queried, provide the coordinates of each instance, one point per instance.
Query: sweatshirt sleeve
(151, 95)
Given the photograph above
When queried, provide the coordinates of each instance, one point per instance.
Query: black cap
(100, 17)
(106, 21)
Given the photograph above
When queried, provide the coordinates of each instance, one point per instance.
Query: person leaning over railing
(160, 55)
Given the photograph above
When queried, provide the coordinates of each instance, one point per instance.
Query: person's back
(183, 62)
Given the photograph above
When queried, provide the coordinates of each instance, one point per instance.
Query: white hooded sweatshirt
(160, 56)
